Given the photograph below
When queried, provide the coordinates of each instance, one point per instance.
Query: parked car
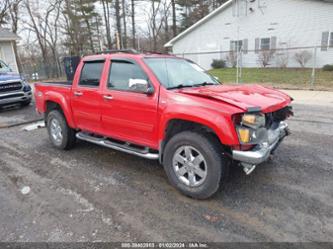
(13, 87)
(167, 108)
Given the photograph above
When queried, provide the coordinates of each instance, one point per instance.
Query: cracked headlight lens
(254, 120)
(251, 128)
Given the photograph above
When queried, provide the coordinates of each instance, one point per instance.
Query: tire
(60, 134)
(214, 164)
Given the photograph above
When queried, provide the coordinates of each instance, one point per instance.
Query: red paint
(142, 119)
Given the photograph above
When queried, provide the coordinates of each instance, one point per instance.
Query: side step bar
(118, 146)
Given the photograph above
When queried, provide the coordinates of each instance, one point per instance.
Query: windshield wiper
(204, 84)
(179, 86)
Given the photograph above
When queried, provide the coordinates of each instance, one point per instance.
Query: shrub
(265, 57)
(282, 59)
(232, 58)
(218, 64)
(303, 57)
(328, 68)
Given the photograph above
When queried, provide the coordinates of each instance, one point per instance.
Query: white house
(285, 27)
(7, 40)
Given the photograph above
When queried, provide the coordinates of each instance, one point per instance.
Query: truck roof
(124, 54)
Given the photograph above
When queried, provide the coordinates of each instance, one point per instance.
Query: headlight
(253, 120)
(251, 136)
(26, 86)
(251, 128)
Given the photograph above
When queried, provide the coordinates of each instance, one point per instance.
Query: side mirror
(150, 90)
(140, 85)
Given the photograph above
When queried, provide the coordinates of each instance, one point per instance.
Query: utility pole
(313, 75)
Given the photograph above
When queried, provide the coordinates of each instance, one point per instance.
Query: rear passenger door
(86, 97)
(129, 113)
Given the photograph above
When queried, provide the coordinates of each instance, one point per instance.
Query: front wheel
(194, 164)
(61, 135)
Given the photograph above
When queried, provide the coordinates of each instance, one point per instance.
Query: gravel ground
(93, 193)
(13, 115)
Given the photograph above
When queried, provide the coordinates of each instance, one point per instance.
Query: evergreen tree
(82, 26)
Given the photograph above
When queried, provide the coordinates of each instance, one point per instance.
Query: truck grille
(10, 87)
(278, 116)
(12, 96)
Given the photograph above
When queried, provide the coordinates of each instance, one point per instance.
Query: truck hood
(246, 97)
(9, 76)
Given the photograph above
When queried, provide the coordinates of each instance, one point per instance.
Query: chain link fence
(299, 67)
(38, 71)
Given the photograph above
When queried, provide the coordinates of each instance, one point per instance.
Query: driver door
(128, 112)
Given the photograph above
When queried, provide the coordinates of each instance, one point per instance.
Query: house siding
(293, 25)
(7, 54)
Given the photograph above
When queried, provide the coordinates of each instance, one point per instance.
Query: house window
(265, 43)
(236, 46)
(331, 40)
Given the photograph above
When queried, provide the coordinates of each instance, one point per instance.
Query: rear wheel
(60, 134)
(194, 164)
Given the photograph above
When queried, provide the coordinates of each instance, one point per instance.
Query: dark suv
(13, 87)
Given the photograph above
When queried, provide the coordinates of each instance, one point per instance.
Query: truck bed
(51, 88)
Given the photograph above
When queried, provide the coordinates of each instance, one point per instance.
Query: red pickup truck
(167, 108)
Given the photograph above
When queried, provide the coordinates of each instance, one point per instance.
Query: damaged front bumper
(260, 153)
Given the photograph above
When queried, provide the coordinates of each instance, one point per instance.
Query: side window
(91, 73)
(126, 76)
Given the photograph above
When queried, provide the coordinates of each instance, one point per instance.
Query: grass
(281, 78)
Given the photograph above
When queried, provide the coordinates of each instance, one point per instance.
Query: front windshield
(4, 68)
(177, 73)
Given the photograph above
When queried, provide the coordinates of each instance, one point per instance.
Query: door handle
(78, 93)
(107, 97)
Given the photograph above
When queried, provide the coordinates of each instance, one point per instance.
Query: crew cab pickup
(14, 89)
(166, 108)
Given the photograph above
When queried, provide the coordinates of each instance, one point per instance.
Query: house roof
(206, 18)
(198, 23)
(7, 35)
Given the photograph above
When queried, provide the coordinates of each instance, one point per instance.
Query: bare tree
(38, 25)
(174, 18)
(265, 57)
(14, 18)
(303, 57)
(133, 23)
(4, 8)
(106, 15)
(52, 36)
(45, 26)
(124, 23)
(118, 21)
(156, 19)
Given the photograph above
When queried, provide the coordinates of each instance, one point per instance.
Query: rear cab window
(91, 73)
